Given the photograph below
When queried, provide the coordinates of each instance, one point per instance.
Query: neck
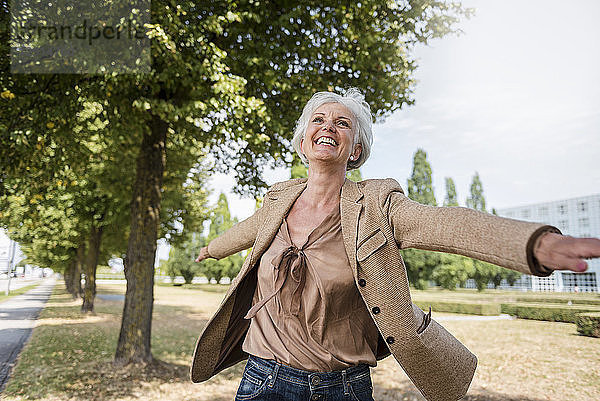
(324, 184)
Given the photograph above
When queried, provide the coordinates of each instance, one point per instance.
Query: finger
(568, 252)
(581, 266)
(564, 262)
(587, 247)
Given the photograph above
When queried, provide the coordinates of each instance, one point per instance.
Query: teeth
(327, 140)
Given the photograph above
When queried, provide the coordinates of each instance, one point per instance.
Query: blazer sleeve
(239, 237)
(502, 241)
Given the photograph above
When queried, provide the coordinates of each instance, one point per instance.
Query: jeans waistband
(313, 380)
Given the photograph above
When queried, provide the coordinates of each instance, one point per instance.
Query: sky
(515, 98)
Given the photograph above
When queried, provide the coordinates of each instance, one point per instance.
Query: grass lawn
(18, 291)
(69, 356)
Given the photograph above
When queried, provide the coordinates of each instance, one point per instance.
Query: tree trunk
(91, 263)
(76, 277)
(68, 277)
(134, 339)
(72, 274)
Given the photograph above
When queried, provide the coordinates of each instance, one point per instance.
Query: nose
(328, 126)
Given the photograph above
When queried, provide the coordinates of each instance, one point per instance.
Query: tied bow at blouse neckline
(292, 262)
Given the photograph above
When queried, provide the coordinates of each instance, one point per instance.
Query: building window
(582, 206)
(546, 283)
(580, 282)
(563, 225)
(509, 214)
(544, 211)
(525, 213)
(584, 222)
(562, 209)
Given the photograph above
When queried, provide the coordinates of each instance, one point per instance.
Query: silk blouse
(307, 312)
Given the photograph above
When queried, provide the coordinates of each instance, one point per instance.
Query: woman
(316, 301)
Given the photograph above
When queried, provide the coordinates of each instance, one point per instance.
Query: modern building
(578, 217)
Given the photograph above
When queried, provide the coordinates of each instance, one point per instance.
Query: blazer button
(376, 310)
(362, 282)
(390, 340)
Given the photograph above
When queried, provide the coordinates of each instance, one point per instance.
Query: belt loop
(273, 375)
(345, 383)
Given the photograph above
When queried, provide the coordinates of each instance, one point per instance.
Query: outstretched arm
(530, 248)
(242, 235)
(239, 237)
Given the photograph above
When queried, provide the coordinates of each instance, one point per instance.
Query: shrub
(467, 307)
(547, 312)
(588, 324)
(557, 300)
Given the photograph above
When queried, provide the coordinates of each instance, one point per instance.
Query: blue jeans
(267, 380)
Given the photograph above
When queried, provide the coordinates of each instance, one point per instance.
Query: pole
(11, 259)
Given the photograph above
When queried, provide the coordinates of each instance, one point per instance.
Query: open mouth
(326, 140)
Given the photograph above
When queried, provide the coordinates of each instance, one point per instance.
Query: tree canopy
(227, 81)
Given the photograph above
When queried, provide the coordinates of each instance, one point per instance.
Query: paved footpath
(17, 319)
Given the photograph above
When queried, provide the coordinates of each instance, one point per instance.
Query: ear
(357, 151)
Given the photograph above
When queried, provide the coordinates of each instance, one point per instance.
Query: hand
(561, 252)
(203, 254)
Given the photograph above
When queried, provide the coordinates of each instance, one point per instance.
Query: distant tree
(486, 272)
(232, 265)
(512, 276)
(451, 198)
(182, 256)
(454, 270)
(476, 200)
(481, 275)
(258, 200)
(354, 175)
(420, 183)
(220, 221)
(420, 264)
(298, 169)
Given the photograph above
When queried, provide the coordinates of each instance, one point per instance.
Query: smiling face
(330, 135)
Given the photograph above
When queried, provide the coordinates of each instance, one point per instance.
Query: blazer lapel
(281, 203)
(350, 211)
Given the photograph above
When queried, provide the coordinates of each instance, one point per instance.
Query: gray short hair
(354, 100)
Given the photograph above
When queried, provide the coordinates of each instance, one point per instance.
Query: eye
(317, 120)
(343, 123)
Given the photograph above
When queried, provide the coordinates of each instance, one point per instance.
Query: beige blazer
(373, 253)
